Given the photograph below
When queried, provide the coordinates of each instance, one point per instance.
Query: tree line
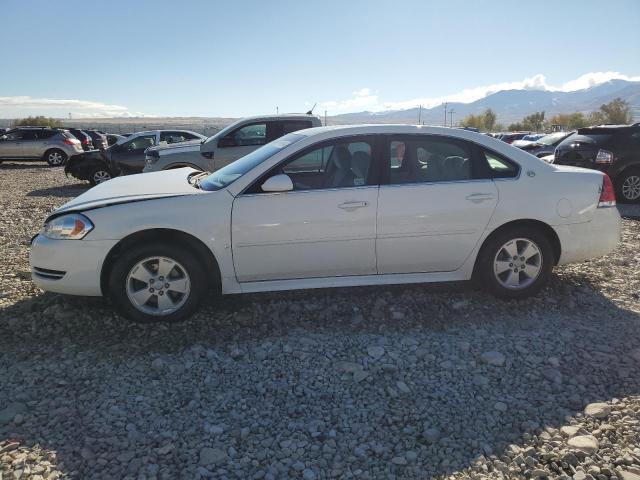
(616, 112)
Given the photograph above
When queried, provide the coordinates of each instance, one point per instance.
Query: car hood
(193, 145)
(133, 188)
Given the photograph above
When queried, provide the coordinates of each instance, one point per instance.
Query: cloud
(364, 100)
(21, 106)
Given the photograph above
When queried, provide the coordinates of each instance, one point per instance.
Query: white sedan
(329, 207)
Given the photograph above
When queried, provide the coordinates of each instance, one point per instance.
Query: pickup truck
(229, 144)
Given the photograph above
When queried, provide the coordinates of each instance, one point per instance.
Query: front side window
(29, 135)
(428, 159)
(11, 135)
(140, 143)
(249, 135)
(336, 164)
(229, 174)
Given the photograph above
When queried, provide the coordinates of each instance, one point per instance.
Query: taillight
(86, 141)
(604, 156)
(70, 141)
(607, 195)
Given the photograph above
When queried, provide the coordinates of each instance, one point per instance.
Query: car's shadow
(25, 165)
(309, 332)
(61, 191)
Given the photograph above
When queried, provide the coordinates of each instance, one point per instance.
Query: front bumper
(71, 267)
(584, 241)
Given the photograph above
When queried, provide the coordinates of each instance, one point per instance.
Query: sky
(227, 59)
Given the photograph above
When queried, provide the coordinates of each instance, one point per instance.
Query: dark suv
(613, 149)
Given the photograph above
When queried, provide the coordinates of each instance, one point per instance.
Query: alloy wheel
(55, 158)
(158, 286)
(631, 187)
(101, 176)
(517, 264)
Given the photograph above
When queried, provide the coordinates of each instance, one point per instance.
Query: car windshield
(229, 174)
(551, 138)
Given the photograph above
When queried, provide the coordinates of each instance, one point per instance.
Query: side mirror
(278, 183)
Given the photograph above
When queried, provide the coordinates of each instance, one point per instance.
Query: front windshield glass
(551, 138)
(229, 174)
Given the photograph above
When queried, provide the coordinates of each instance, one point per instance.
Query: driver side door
(324, 227)
(11, 144)
(129, 156)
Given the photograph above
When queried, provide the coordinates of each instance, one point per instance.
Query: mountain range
(511, 105)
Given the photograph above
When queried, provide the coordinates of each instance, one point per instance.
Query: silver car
(229, 144)
(52, 145)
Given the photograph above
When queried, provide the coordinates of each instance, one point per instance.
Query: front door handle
(479, 197)
(352, 205)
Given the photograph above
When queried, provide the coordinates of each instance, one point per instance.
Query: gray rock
(431, 434)
(493, 358)
(212, 456)
(8, 413)
(585, 443)
(375, 351)
(597, 410)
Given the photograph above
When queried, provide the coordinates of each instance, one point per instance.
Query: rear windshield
(229, 174)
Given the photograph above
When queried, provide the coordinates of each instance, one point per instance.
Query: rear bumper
(71, 267)
(583, 241)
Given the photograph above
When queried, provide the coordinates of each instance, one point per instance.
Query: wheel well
(174, 237)
(633, 167)
(548, 232)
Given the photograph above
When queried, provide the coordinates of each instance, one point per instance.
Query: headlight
(67, 227)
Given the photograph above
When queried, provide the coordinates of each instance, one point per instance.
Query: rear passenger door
(433, 206)
(31, 145)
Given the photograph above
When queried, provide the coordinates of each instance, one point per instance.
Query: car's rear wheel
(99, 175)
(55, 157)
(157, 283)
(516, 262)
(628, 186)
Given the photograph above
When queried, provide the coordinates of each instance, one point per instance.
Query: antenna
(310, 112)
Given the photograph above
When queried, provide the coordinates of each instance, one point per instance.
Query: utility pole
(451, 112)
(445, 114)
(277, 110)
(420, 115)
(325, 118)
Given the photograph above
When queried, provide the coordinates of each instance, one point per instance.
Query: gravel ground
(437, 381)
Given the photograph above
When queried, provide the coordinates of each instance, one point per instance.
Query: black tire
(120, 272)
(55, 157)
(631, 175)
(99, 174)
(485, 273)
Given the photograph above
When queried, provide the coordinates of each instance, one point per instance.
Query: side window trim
(492, 174)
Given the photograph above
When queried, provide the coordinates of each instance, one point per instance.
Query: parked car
(52, 145)
(113, 138)
(546, 145)
(129, 156)
(328, 207)
(229, 144)
(99, 139)
(85, 140)
(126, 157)
(511, 137)
(527, 139)
(613, 149)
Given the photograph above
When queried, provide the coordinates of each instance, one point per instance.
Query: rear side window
(499, 166)
(426, 159)
(29, 135)
(289, 126)
(46, 133)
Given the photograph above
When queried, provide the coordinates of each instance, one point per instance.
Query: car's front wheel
(516, 262)
(628, 184)
(157, 282)
(55, 157)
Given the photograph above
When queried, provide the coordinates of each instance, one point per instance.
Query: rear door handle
(352, 205)
(480, 197)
